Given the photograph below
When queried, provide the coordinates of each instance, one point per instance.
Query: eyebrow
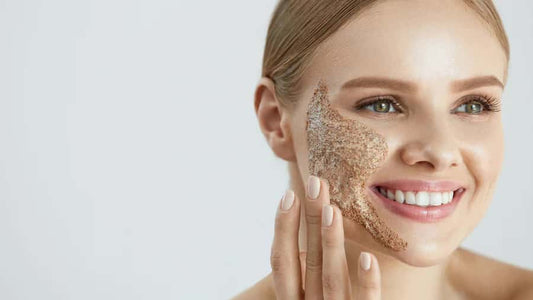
(410, 87)
(380, 82)
(475, 82)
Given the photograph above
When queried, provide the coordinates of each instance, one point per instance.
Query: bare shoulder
(483, 277)
(262, 290)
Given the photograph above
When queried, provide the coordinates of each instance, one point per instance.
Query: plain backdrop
(131, 162)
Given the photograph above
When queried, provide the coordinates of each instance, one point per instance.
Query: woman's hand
(323, 268)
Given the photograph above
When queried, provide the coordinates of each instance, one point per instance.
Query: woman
(389, 116)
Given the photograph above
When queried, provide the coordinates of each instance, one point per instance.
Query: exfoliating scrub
(346, 152)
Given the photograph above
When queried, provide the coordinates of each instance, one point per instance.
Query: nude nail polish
(313, 187)
(288, 200)
(365, 261)
(327, 215)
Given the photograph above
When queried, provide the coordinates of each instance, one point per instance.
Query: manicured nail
(327, 215)
(364, 261)
(313, 187)
(287, 200)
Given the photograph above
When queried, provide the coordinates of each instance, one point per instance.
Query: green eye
(381, 106)
(472, 107)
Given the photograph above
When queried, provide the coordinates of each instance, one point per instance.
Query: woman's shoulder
(262, 290)
(483, 277)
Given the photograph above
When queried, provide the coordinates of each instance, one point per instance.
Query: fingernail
(287, 200)
(313, 187)
(364, 261)
(327, 215)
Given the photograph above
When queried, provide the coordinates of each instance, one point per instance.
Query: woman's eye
(472, 107)
(380, 106)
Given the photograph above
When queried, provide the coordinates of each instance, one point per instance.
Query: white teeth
(399, 196)
(421, 198)
(435, 199)
(444, 198)
(448, 198)
(410, 198)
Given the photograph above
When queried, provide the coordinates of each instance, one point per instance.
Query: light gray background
(131, 162)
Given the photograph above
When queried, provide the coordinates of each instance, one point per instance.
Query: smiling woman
(389, 116)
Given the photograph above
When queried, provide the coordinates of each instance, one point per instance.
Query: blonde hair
(298, 27)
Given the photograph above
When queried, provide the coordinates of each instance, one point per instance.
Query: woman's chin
(420, 252)
(422, 255)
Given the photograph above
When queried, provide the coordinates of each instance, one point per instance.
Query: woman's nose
(431, 145)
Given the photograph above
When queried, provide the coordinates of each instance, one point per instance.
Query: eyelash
(490, 104)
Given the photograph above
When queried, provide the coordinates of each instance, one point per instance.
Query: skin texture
(431, 44)
(345, 152)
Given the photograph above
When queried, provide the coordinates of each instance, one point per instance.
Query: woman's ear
(273, 120)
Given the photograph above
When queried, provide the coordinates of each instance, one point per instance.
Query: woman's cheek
(346, 153)
(483, 157)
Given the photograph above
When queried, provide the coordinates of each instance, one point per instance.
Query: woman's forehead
(412, 41)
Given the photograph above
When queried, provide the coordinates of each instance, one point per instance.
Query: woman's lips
(426, 214)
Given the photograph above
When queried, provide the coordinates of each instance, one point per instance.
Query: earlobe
(273, 120)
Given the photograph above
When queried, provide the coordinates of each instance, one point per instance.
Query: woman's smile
(418, 200)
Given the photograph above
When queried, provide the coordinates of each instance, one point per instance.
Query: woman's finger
(316, 196)
(369, 278)
(284, 257)
(335, 275)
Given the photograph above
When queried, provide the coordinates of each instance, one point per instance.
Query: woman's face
(431, 50)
